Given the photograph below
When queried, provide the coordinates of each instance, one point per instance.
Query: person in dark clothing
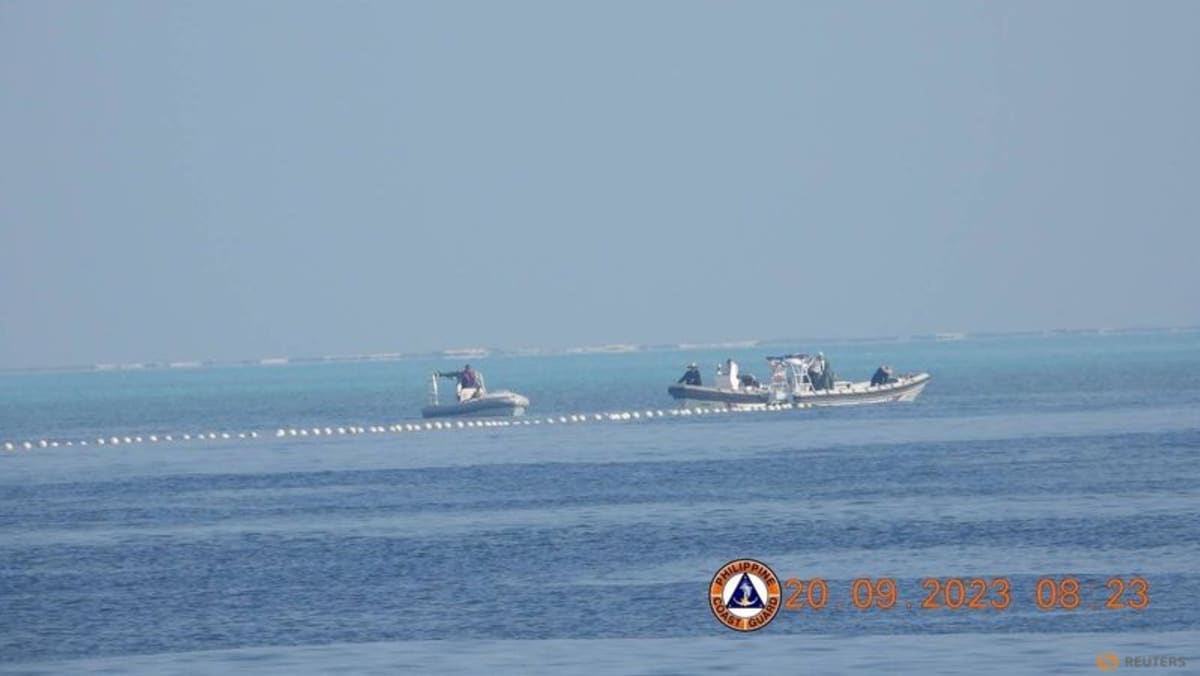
(883, 376)
(748, 381)
(691, 376)
(468, 381)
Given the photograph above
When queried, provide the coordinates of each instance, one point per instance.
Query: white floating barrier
(612, 416)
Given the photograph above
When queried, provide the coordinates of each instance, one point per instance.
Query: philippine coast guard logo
(744, 595)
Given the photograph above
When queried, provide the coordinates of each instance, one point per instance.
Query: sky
(225, 180)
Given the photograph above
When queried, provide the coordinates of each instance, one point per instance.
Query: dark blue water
(1025, 458)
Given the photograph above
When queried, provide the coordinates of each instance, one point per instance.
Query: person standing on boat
(819, 373)
(468, 382)
(691, 376)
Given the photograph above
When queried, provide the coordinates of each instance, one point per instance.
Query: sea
(294, 519)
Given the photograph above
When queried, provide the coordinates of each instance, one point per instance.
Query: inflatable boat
(797, 379)
(476, 402)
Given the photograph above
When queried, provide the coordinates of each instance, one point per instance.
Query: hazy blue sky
(241, 179)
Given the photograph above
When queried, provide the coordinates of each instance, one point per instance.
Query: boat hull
(713, 395)
(907, 388)
(494, 404)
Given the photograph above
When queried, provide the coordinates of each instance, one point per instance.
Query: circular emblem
(744, 595)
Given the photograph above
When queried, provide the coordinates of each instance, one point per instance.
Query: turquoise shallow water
(590, 546)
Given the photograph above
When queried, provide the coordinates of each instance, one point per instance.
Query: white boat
(474, 402)
(800, 379)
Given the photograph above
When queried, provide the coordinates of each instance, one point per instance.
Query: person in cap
(691, 376)
(468, 382)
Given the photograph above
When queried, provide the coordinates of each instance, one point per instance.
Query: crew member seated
(469, 383)
(691, 376)
(883, 376)
(748, 381)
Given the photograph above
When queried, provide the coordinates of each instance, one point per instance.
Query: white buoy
(28, 446)
(100, 442)
(8, 446)
(254, 435)
(83, 443)
(53, 444)
(168, 438)
(280, 433)
(114, 441)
